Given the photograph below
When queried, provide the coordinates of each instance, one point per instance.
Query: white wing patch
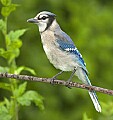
(74, 49)
(71, 49)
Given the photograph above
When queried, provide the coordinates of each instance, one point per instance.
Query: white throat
(42, 26)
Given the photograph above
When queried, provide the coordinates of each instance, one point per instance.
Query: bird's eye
(44, 17)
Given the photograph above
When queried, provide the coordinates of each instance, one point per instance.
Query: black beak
(32, 20)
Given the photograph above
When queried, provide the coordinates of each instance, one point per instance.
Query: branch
(56, 82)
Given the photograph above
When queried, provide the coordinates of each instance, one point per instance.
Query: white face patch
(43, 20)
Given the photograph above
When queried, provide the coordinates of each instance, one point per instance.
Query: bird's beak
(32, 20)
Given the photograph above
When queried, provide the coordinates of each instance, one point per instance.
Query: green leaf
(13, 43)
(21, 89)
(2, 25)
(21, 68)
(4, 114)
(4, 69)
(5, 110)
(6, 2)
(31, 96)
(30, 70)
(14, 35)
(5, 86)
(7, 103)
(85, 117)
(3, 53)
(11, 53)
(8, 9)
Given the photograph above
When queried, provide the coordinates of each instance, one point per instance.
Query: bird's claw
(68, 84)
(52, 82)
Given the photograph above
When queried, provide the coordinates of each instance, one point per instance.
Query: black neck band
(51, 19)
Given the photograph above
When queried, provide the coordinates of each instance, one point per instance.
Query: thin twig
(57, 82)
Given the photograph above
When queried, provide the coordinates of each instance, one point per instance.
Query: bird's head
(43, 20)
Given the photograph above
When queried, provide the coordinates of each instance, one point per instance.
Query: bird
(61, 50)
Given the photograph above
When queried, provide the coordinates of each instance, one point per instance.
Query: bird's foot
(52, 82)
(69, 80)
(54, 77)
(68, 84)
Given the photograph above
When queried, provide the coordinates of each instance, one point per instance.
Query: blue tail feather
(84, 78)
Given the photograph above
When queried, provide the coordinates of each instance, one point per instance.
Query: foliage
(85, 117)
(9, 108)
(89, 23)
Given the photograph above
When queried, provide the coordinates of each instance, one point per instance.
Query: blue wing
(66, 44)
(70, 47)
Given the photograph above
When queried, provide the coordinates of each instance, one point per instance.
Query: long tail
(83, 76)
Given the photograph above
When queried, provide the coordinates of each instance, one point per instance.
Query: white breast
(60, 59)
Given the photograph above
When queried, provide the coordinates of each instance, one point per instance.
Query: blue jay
(61, 51)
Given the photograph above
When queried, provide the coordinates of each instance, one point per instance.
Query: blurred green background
(90, 25)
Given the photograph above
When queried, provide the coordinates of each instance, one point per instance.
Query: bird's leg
(69, 80)
(54, 77)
